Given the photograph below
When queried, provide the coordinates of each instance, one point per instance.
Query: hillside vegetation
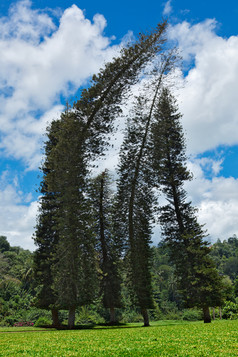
(18, 289)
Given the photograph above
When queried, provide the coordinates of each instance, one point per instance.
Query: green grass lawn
(219, 338)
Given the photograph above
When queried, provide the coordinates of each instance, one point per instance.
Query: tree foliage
(108, 247)
(135, 188)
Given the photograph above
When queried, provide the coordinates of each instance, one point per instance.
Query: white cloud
(40, 62)
(25, 23)
(220, 218)
(18, 217)
(167, 8)
(208, 94)
(216, 200)
(208, 102)
(24, 141)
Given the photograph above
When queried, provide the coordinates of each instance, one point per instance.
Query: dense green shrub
(42, 322)
(172, 315)
(130, 316)
(87, 316)
(192, 315)
(8, 321)
(230, 310)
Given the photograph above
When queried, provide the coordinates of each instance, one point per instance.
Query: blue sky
(49, 51)
(140, 15)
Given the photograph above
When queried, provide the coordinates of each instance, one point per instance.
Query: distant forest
(18, 289)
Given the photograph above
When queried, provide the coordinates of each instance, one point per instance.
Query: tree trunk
(55, 318)
(213, 313)
(206, 315)
(71, 318)
(145, 317)
(220, 313)
(112, 316)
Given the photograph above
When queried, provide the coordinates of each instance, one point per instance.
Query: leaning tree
(136, 183)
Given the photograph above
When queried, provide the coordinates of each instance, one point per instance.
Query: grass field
(161, 339)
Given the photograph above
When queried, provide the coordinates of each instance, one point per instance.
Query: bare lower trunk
(145, 317)
(55, 318)
(206, 315)
(71, 318)
(220, 313)
(213, 313)
(112, 315)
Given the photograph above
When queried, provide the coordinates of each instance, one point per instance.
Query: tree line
(87, 235)
(19, 290)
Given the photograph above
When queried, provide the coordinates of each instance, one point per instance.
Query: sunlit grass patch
(161, 339)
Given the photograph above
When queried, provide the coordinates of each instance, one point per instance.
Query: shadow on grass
(95, 327)
(92, 327)
(108, 326)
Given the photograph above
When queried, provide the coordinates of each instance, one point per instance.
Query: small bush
(130, 316)
(169, 311)
(8, 321)
(171, 315)
(192, 315)
(86, 316)
(230, 310)
(34, 314)
(42, 322)
(23, 324)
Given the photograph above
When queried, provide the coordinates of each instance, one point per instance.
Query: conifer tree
(74, 272)
(46, 235)
(135, 189)
(135, 198)
(109, 249)
(198, 279)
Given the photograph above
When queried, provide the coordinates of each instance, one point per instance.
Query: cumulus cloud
(39, 63)
(18, 216)
(216, 200)
(207, 99)
(209, 90)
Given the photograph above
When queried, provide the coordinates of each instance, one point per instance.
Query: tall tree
(108, 247)
(74, 271)
(46, 234)
(197, 277)
(135, 200)
(135, 188)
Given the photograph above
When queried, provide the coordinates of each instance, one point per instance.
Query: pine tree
(136, 184)
(198, 279)
(46, 235)
(74, 273)
(136, 199)
(108, 247)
